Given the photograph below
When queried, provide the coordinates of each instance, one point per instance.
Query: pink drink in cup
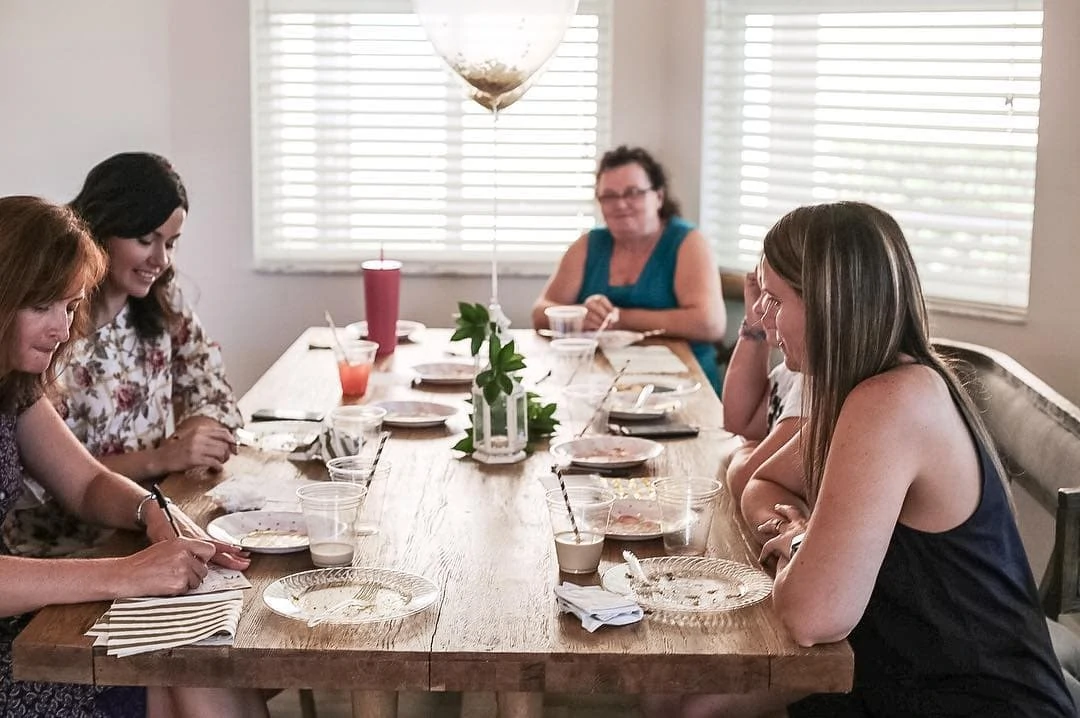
(382, 290)
(355, 358)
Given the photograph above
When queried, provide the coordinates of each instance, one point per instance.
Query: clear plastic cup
(358, 470)
(573, 361)
(330, 510)
(566, 320)
(687, 505)
(586, 408)
(355, 425)
(355, 360)
(579, 542)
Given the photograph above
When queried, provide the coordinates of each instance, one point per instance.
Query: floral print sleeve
(198, 371)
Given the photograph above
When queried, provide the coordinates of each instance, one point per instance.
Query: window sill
(971, 310)
(409, 268)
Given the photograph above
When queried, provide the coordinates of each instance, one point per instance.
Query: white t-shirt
(785, 395)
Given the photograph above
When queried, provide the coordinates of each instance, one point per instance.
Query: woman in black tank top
(911, 551)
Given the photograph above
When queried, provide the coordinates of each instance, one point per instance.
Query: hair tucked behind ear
(864, 309)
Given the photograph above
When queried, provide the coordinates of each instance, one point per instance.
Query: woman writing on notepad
(48, 267)
(647, 268)
(147, 365)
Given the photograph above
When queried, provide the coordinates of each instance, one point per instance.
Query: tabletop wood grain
(481, 533)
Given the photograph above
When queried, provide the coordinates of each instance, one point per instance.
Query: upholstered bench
(1037, 432)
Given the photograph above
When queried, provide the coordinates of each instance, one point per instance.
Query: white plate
(691, 585)
(405, 329)
(445, 372)
(607, 452)
(657, 406)
(280, 435)
(415, 414)
(665, 385)
(262, 531)
(635, 515)
(308, 594)
(616, 338)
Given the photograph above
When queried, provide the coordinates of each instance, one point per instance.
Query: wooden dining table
(481, 533)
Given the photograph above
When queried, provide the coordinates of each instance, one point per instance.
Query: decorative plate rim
(758, 583)
(278, 597)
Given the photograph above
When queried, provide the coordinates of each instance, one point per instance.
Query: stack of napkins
(207, 615)
(650, 359)
(596, 607)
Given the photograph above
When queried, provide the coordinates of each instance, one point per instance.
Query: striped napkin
(208, 615)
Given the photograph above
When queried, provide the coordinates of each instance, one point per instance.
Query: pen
(164, 504)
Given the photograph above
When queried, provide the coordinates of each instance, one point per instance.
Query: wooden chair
(1060, 587)
(1037, 433)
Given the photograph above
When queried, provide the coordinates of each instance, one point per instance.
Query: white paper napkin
(652, 359)
(596, 607)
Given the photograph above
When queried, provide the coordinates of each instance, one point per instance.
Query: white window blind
(928, 110)
(363, 140)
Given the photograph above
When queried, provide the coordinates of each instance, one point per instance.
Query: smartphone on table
(286, 415)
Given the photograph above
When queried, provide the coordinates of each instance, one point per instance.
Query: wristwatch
(747, 331)
(796, 542)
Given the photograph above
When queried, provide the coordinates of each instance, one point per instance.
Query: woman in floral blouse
(146, 391)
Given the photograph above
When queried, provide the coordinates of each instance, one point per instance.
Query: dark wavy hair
(46, 254)
(625, 155)
(128, 196)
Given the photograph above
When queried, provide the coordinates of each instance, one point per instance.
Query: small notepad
(652, 359)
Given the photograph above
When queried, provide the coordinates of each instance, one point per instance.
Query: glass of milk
(330, 510)
(580, 527)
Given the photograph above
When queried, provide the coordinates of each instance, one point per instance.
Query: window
(365, 142)
(926, 109)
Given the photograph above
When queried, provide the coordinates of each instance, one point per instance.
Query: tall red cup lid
(381, 264)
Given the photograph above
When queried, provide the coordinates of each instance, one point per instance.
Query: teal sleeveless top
(654, 288)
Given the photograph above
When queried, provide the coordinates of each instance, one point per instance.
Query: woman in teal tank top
(649, 266)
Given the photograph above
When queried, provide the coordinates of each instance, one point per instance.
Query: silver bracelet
(796, 542)
(139, 520)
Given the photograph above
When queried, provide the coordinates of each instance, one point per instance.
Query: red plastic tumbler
(382, 291)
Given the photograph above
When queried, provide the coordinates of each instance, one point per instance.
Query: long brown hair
(864, 308)
(46, 253)
(129, 195)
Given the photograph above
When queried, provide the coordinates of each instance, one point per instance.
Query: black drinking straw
(566, 499)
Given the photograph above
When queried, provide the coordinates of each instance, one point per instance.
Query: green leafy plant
(474, 323)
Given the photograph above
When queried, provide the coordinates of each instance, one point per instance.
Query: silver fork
(361, 599)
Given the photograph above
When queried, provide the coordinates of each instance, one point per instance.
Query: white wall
(82, 80)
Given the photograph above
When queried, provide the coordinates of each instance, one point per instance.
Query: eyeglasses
(630, 194)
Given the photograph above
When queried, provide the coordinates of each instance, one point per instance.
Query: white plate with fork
(328, 595)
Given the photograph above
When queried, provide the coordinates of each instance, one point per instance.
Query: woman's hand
(599, 308)
(159, 530)
(196, 444)
(751, 290)
(788, 523)
(165, 568)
